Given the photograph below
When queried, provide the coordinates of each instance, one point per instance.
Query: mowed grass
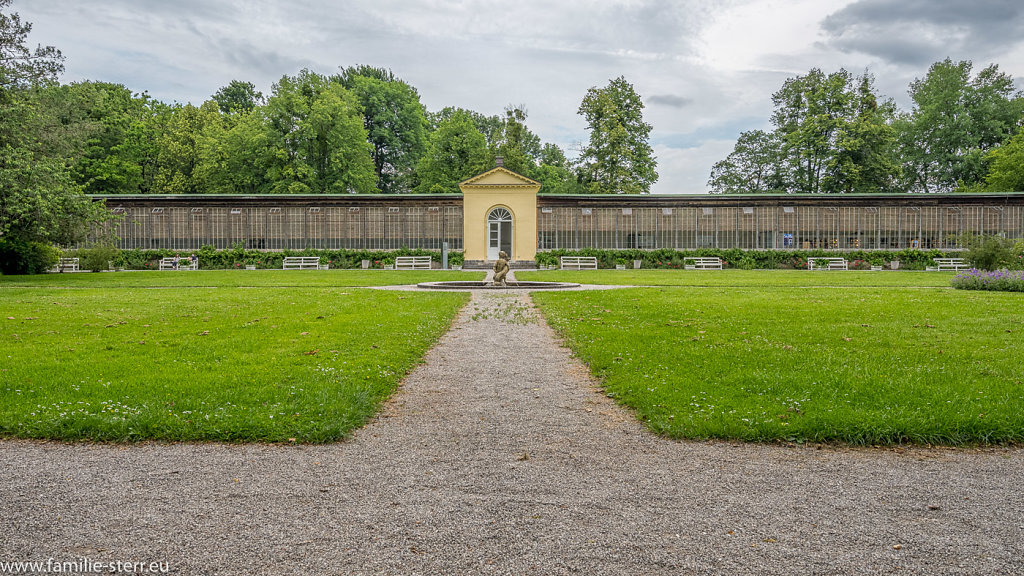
(238, 278)
(753, 278)
(274, 363)
(771, 362)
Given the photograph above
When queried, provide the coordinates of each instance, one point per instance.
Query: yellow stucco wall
(500, 187)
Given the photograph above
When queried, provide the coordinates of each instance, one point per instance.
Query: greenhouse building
(502, 210)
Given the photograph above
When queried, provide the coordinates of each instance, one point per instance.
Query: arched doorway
(499, 232)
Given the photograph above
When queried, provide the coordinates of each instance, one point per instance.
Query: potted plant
(620, 264)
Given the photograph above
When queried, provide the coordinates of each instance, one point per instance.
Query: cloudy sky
(705, 69)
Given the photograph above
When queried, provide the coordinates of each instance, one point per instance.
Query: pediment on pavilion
(499, 178)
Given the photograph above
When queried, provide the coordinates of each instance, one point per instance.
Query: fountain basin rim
(484, 285)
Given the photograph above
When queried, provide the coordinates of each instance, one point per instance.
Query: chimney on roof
(500, 161)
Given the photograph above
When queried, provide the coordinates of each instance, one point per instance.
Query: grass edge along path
(857, 366)
(264, 364)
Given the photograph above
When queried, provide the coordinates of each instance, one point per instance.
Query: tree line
(362, 130)
(833, 133)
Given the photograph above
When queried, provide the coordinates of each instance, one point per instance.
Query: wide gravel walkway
(498, 457)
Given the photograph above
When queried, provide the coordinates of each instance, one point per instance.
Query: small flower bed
(1000, 280)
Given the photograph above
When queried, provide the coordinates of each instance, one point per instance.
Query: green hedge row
(212, 259)
(750, 259)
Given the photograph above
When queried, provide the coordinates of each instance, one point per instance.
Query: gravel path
(498, 457)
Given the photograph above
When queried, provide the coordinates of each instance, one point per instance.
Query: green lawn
(859, 357)
(113, 361)
(752, 278)
(759, 359)
(237, 278)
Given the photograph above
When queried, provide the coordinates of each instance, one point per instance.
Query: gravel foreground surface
(498, 456)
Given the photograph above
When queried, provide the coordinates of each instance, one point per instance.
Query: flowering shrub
(1000, 280)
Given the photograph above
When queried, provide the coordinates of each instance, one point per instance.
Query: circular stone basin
(482, 285)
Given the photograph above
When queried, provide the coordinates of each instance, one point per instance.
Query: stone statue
(501, 269)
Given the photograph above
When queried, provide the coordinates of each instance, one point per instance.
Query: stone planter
(895, 265)
(250, 266)
(637, 263)
(620, 266)
(366, 264)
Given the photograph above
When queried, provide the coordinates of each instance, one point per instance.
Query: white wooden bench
(954, 264)
(826, 263)
(66, 265)
(183, 264)
(703, 263)
(301, 263)
(412, 263)
(578, 262)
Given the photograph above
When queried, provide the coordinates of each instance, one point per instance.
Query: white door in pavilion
(499, 233)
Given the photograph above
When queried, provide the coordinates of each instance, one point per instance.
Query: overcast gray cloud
(670, 100)
(913, 31)
(706, 69)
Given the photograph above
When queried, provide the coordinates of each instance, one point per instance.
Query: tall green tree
(754, 166)
(395, 122)
(140, 149)
(233, 155)
(618, 158)
(554, 172)
(955, 121)
(1006, 166)
(809, 116)
(316, 138)
(238, 97)
(21, 66)
(864, 157)
(492, 127)
(105, 167)
(515, 143)
(832, 135)
(39, 199)
(179, 149)
(456, 150)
